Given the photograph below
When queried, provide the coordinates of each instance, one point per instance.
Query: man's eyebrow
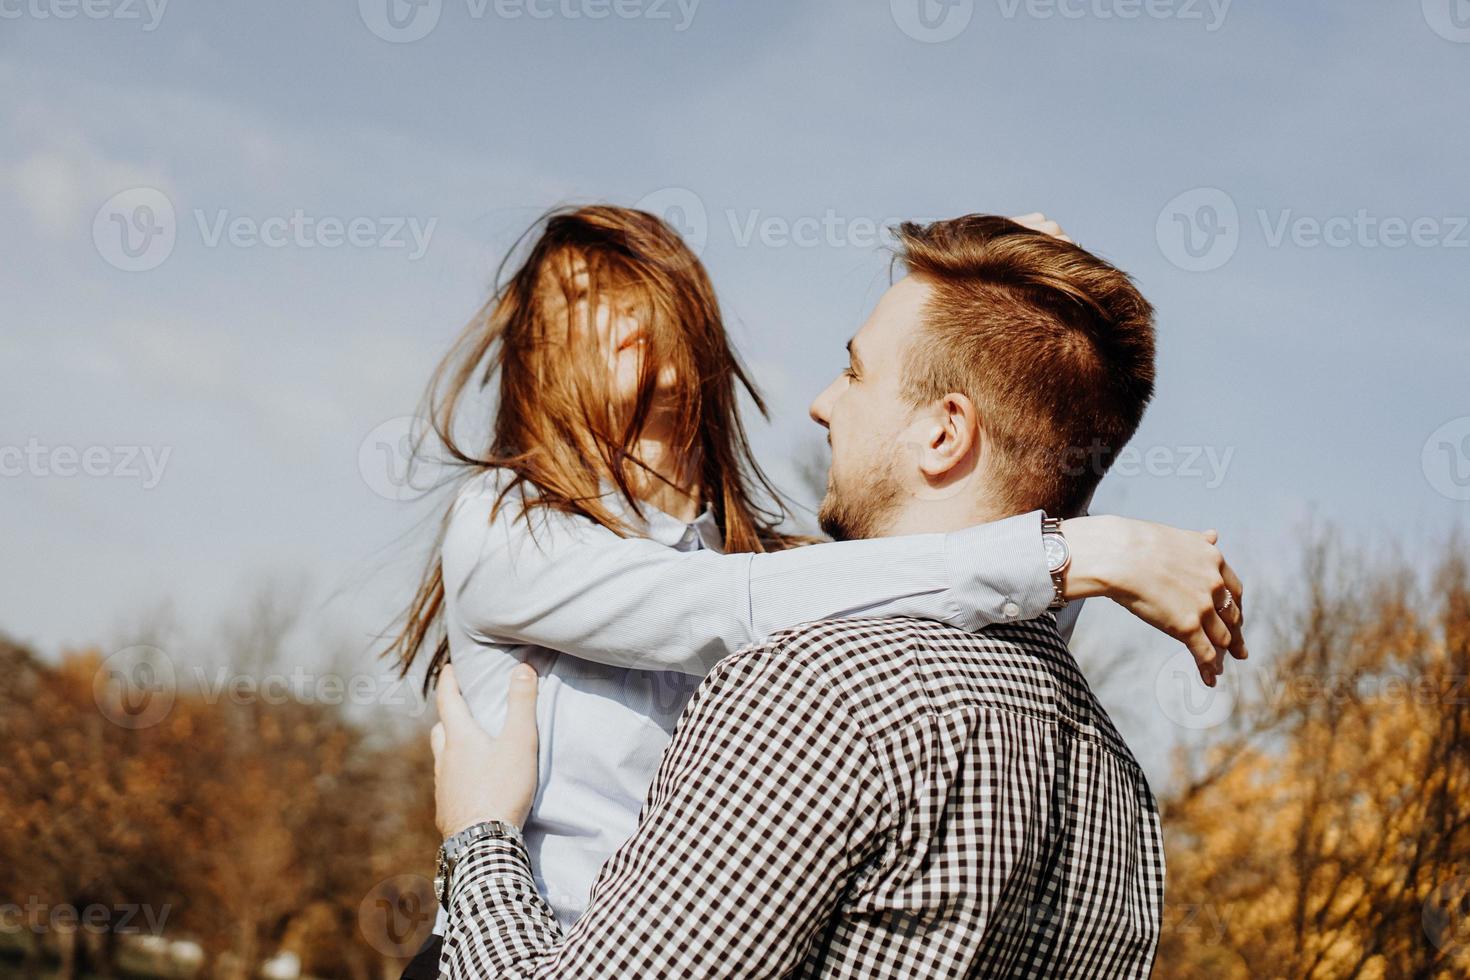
(852, 354)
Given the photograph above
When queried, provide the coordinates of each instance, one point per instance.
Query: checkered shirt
(859, 798)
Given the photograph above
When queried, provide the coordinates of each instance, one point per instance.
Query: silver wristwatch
(455, 845)
(1058, 558)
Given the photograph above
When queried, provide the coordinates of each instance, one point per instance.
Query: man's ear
(951, 439)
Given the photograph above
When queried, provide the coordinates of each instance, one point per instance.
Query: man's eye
(849, 374)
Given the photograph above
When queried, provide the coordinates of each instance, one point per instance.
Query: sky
(238, 237)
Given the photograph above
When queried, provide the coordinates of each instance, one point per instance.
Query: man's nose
(821, 409)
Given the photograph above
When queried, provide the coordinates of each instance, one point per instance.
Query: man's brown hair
(1053, 345)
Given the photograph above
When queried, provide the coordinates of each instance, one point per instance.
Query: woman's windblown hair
(558, 430)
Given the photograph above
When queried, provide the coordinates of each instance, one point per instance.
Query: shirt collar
(667, 530)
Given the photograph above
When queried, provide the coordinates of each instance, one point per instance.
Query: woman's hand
(1176, 581)
(477, 777)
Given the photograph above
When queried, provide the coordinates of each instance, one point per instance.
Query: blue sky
(1300, 377)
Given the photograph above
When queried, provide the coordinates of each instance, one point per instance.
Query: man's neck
(942, 515)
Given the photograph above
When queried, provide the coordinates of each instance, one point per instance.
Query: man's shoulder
(889, 672)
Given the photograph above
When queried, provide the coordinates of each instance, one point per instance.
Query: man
(879, 797)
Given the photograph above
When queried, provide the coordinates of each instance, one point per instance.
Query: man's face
(867, 420)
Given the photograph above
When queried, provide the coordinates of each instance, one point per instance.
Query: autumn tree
(1329, 836)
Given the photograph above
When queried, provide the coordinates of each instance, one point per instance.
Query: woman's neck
(672, 488)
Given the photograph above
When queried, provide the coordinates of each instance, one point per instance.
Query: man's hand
(476, 777)
(1176, 581)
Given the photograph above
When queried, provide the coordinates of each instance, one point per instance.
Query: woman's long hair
(558, 429)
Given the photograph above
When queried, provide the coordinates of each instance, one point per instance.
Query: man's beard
(863, 511)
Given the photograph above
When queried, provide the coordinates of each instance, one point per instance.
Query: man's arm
(766, 802)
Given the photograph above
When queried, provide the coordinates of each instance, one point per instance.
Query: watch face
(1056, 551)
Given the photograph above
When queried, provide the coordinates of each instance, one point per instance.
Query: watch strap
(1053, 526)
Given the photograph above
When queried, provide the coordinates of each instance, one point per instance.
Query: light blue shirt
(622, 630)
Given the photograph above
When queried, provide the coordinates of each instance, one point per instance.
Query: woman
(617, 534)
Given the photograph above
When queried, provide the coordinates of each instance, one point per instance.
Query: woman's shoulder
(492, 496)
(499, 505)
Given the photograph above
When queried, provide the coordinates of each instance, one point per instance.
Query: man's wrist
(458, 845)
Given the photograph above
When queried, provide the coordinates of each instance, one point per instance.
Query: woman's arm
(569, 584)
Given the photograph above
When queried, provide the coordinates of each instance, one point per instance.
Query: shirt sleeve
(767, 803)
(568, 584)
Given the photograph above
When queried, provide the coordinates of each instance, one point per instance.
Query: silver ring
(1229, 601)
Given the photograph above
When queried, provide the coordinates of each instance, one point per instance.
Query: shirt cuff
(490, 857)
(1000, 569)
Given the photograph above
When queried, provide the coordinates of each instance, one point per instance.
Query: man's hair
(1054, 346)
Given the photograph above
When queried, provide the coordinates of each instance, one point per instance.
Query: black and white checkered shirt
(863, 798)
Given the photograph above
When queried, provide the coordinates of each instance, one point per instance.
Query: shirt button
(1011, 610)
